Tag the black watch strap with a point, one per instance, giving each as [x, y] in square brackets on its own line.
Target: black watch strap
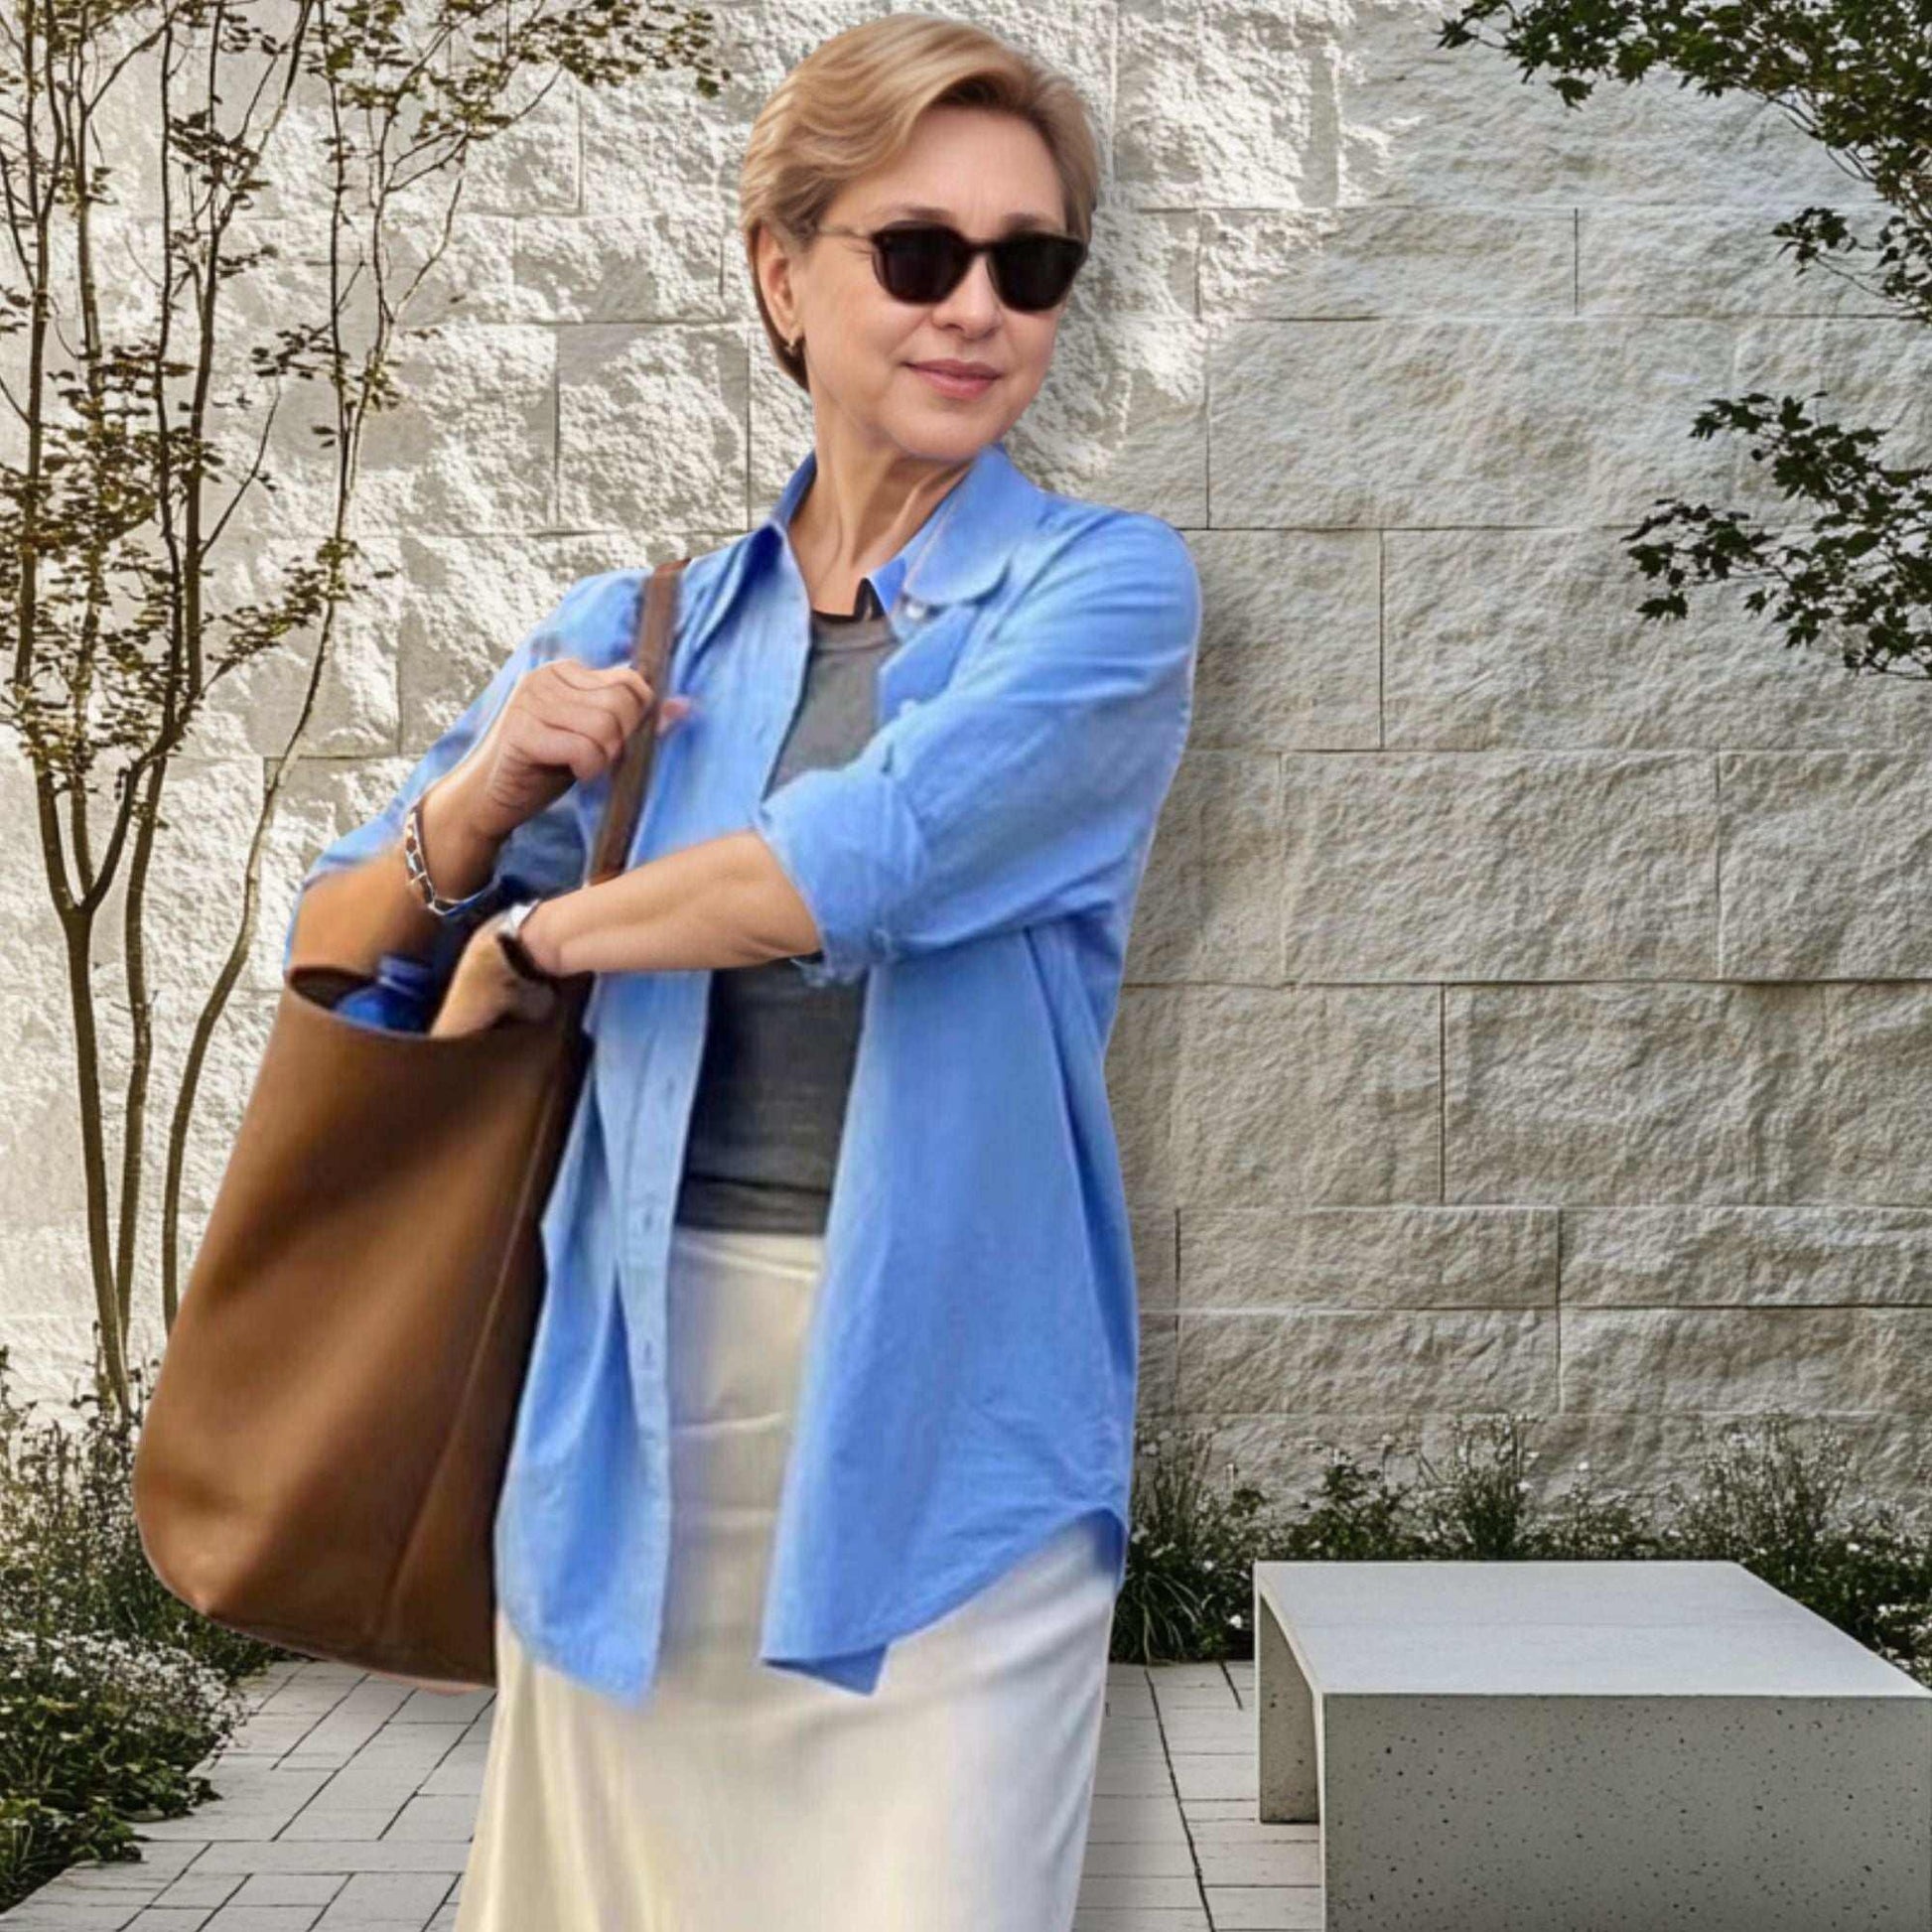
[510, 938]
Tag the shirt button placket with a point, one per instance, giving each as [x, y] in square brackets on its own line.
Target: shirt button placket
[644, 1224]
[645, 1219]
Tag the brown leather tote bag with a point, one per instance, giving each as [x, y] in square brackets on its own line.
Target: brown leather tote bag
[325, 1442]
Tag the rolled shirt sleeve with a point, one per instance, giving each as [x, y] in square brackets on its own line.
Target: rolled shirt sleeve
[1029, 789]
[545, 853]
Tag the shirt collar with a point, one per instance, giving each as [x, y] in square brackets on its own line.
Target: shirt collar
[960, 551]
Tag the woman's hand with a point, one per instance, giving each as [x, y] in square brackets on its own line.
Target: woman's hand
[564, 723]
[487, 987]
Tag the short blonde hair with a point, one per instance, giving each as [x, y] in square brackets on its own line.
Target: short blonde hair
[850, 106]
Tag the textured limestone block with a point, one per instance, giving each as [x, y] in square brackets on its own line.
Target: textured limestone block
[1812, 887]
[1696, 257]
[1139, 436]
[1370, 260]
[1155, 1245]
[1209, 906]
[48, 1308]
[455, 454]
[1234, 1362]
[1291, 647]
[469, 602]
[1877, 1050]
[1874, 370]
[1420, 123]
[618, 385]
[1808, 1361]
[1499, 866]
[1445, 421]
[654, 264]
[1395, 1257]
[1777, 1255]
[1242, 1095]
[253, 709]
[533, 168]
[1633, 1093]
[1531, 641]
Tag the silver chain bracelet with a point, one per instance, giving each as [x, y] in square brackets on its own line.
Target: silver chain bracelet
[418, 866]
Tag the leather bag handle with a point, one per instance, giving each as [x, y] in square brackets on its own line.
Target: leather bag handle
[650, 656]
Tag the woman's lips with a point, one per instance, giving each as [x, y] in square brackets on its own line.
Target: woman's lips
[949, 384]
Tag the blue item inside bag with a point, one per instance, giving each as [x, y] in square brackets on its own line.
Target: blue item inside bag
[400, 997]
[406, 991]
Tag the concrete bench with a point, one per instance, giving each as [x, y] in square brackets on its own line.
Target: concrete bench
[1581, 1747]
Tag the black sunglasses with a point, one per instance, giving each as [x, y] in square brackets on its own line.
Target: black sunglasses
[925, 261]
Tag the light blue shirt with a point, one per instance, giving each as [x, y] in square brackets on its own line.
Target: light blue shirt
[969, 1377]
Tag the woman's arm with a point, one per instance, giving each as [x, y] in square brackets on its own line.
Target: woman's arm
[1027, 789]
[724, 902]
[524, 736]
[350, 917]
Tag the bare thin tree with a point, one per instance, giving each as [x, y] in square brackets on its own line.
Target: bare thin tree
[130, 444]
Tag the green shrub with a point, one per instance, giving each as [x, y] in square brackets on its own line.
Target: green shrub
[1780, 1508]
[1186, 1583]
[111, 1689]
[96, 1733]
[1770, 1496]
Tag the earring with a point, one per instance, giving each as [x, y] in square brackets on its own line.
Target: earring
[795, 341]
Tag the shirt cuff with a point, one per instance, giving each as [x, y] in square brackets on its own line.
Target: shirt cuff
[831, 831]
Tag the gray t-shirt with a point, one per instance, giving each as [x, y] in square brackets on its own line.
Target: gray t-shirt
[770, 1104]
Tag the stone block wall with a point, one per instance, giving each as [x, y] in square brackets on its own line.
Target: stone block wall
[1527, 1005]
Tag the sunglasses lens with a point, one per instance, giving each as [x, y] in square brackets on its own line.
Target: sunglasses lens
[920, 264]
[1034, 272]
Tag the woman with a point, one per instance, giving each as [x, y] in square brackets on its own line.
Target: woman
[816, 1508]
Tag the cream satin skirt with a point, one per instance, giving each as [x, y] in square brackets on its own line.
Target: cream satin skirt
[742, 1798]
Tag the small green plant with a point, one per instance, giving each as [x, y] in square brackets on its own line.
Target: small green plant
[95, 1735]
[1357, 1514]
[111, 1689]
[1187, 1581]
[1780, 1507]
[1772, 1497]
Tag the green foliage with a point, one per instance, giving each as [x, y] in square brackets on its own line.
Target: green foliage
[111, 1689]
[1771, 1496]
[1855, 75]
[1186, 1586]
[1781, 1509]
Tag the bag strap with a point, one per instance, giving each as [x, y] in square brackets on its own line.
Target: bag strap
[650, 656]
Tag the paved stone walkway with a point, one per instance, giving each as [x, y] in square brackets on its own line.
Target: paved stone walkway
[347, 1803]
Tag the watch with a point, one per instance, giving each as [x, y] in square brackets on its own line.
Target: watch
[509, 935]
